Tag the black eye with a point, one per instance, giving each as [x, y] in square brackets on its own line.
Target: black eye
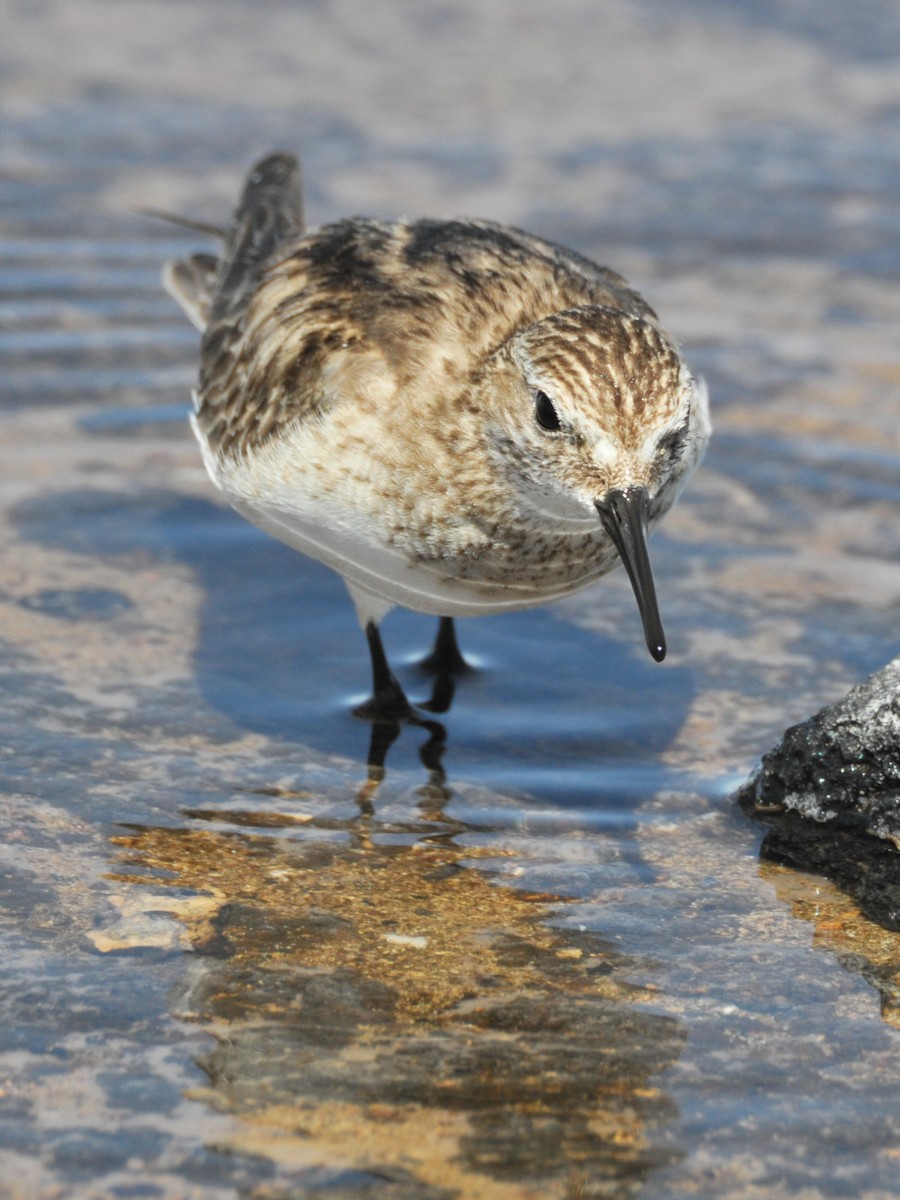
[544, 412]
[673, 444]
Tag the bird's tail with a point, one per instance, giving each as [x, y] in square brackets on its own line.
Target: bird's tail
[212, 287]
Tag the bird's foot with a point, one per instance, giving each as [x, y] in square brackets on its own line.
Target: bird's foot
[442, 693]
[387, 705]
[386, 729]
[445, 660]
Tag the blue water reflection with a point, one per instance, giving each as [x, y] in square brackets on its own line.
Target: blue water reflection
[553, 710]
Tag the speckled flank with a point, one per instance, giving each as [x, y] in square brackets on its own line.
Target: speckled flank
[367, 393]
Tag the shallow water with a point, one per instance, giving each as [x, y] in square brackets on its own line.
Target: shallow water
[537, 955]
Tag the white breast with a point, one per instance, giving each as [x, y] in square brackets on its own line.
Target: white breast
[277, 490]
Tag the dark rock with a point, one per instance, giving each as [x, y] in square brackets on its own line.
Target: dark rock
[842, 765]
[831, 794]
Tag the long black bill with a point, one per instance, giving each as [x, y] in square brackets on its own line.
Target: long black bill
[624, 515]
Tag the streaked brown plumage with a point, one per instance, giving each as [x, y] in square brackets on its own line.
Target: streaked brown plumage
[439, 410]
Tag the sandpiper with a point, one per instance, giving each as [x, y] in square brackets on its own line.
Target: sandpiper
[456, 416]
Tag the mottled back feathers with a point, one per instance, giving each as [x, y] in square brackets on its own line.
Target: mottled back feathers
[295, 321]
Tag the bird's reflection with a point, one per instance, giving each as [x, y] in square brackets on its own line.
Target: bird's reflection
[384, 999]
[385, 730]
[444, 665]
[431, 751]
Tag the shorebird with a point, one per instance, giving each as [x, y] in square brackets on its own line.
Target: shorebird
[456, 416]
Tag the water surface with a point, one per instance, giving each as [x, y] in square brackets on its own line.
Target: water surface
[537, 954]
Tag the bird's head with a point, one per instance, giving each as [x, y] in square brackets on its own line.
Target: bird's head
[595, 418]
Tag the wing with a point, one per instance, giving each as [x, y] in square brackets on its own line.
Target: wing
[192, 282]
[214, 287]
[269, 213]
[362, 309]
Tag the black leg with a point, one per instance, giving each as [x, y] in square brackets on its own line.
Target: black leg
[446, 657]
[388, 702]
[442, 692]
[433, 751]
[385, 731]
[384, 734]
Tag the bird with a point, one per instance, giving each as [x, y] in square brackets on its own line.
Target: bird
[458, 417]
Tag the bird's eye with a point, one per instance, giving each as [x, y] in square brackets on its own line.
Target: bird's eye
[673, 444]
[544, 412]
